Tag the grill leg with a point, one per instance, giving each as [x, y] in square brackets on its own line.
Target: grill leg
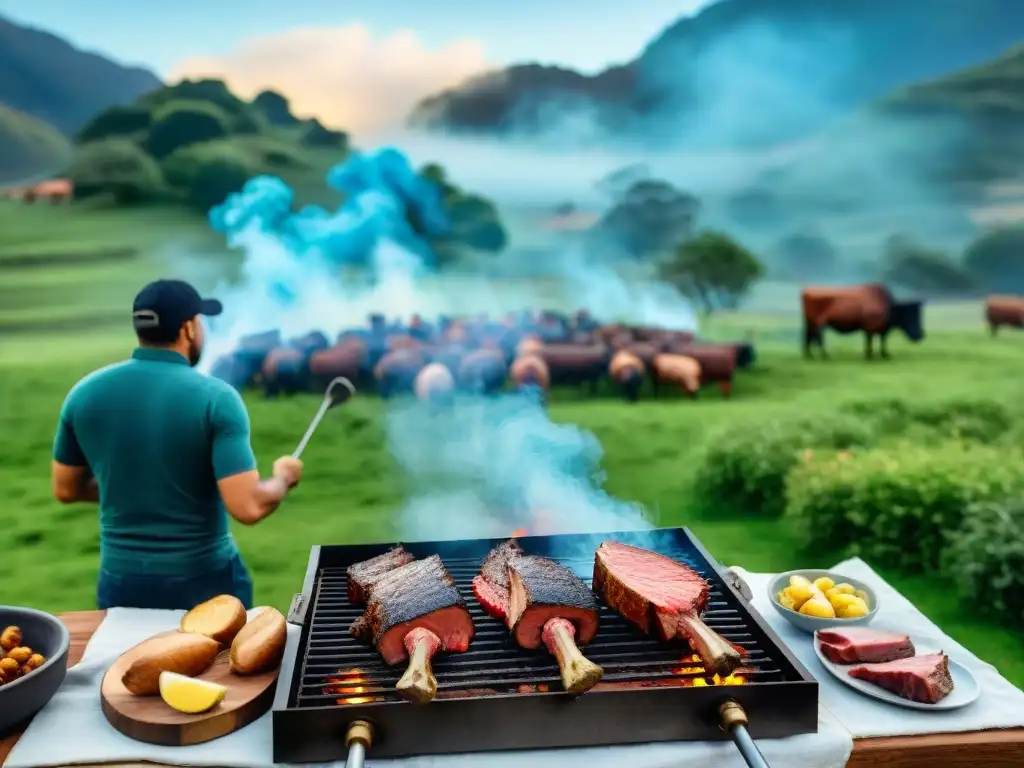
[734, 720]
[358, 740]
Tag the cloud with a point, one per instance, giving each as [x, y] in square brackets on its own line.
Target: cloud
[343, 75]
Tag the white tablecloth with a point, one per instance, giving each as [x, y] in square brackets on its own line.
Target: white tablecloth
[84, 736]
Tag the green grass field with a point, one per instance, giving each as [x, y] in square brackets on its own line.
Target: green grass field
[353, 489]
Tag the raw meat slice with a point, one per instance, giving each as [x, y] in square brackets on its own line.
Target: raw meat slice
[920, 678]
[857, 645]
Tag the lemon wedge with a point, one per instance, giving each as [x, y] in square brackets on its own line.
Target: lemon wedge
[188, 694]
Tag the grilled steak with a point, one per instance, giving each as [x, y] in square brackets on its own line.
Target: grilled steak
[541, 590]
[663, 598]
[858, 645]
[361, 576]
[543, 604]
[920, 678]
[491, 587]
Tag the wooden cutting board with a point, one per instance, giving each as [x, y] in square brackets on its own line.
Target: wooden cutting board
[149, 719]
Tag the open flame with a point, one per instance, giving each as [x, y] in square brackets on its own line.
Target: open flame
[520, 532]
[692, 665]
[347, 685]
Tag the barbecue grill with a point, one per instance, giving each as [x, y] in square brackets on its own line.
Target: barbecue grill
[498, 696]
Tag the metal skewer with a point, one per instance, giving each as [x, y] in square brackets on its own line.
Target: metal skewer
[734, 720]
[358, 740]
[338, 391]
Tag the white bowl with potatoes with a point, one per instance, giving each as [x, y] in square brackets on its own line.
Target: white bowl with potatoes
[811, 599]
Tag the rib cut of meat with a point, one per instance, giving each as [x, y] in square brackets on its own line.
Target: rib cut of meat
[858, 645]
[429, 568]
[920, 678]
[491, 586]
[362, 576]
[663, 598]
[541, 590]
[544, 604]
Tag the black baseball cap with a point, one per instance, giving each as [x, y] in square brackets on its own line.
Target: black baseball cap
[162, 307]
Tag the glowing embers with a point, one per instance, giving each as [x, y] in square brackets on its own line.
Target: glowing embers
[349, 686]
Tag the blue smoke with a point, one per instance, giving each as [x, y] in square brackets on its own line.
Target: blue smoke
[384, 200]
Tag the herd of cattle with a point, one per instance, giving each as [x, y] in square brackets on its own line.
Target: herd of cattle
[523, 352]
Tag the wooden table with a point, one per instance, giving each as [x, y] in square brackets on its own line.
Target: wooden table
[991, 749]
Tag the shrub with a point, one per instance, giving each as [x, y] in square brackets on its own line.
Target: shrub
[316, 134]
[980, 419]
[205, 174]
[745, 468]
[180, 124]
[896, 505]
[986, 559]
[116, 121]
[117, 167]
[275, 108]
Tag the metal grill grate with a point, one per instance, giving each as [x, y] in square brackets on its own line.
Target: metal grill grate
[499, 696]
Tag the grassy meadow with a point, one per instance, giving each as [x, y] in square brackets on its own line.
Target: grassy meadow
[63, 301]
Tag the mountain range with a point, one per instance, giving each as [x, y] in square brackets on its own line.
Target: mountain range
[812, 60]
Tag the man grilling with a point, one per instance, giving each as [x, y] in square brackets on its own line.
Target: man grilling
[165, 450]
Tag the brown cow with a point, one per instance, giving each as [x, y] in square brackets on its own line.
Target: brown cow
[530, 373]
[285, 370]
[576, 365]
[1004, 310]
[627, 370]
[434, 384]
[346, 358]
[717, 363]
[529, 345]
[869, 308]
[396, 372]
[679, 369]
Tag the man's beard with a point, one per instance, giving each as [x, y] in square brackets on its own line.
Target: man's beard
[194, 354]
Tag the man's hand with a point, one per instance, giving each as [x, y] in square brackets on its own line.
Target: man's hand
[289, 470]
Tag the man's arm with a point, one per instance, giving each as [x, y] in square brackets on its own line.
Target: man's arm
[71, 479]
[247, 498]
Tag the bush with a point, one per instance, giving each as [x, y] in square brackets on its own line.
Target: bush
[986, 560]
[316, 135]
[115, 122]
[180, 124]
[275, 108]
[207, 173]
[745, 468]
[980, 419]
[896, 506]
[117, 167]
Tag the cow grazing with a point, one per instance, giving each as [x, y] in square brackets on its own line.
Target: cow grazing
[434, 384]
[285, 371]
[235, 369]
[717, 363]
[482, 371]
[529, 373]
[530, 344]
[1004, 310]
[627, 370]
[870, 308]
[576, 365]
[397, 370]
[681, 370]
[346, 358]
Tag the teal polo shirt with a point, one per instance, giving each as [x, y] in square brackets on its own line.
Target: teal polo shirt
[157, 435]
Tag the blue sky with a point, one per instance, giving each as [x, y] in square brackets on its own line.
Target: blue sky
[586, 34]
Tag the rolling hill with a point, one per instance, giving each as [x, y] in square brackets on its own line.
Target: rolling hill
[29, 148]
[835, 55]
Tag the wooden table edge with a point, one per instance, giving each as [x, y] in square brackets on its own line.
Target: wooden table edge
[992, 748]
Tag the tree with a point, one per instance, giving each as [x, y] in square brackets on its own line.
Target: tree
[178, 124]
[930, 271]
[996, 260]
[117, 167]
[651, 217]
[317, 135]
[275, 108]
[205, 174]
[806, 255]
[115, 122]
[713, 270]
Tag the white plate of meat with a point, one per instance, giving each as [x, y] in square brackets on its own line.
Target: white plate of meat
[890, 667]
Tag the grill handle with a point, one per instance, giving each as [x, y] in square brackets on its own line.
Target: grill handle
[734, 720]
[358, 740]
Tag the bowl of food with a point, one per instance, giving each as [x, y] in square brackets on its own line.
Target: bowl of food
[815, 599]
[33, 661]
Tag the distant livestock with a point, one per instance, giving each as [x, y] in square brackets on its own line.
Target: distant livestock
[434, 384]
[1004, 310]
[285, 371]
[717, 362]
[627, 371]
[529, 373]
[347, 358]
[397, 370]
[576, 365]
[483, 371]
[678, 370]
[869, 308]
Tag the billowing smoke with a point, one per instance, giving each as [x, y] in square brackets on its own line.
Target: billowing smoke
[491, 466]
